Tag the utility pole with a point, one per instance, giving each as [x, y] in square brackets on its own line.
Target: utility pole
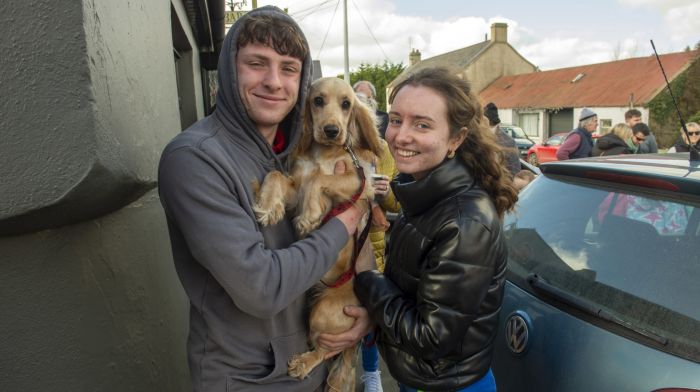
[345, 25]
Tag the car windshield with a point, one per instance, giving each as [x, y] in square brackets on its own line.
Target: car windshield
[631, 254]
[516, 132]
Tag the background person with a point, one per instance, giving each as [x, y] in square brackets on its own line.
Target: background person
[617, 141]
[522, 178]
[437, 304]
[510, 149]
[246, 283]
[683, 143]
[365, 88]
[634, 117]
[579, 143]
[640, 133]
[384, 201]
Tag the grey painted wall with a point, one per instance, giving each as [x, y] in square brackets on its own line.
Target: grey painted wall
[93, 307]
[89, 299]
[93, 100]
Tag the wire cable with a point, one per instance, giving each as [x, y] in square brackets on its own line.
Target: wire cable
[330, 23]
[302, 14]
[370, 32]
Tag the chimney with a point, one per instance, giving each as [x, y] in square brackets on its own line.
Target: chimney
[499, 32]
[414, 57]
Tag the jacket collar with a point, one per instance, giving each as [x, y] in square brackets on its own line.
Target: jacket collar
[450, 178]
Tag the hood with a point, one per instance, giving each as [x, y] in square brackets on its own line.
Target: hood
[229, 106]
[609, 141]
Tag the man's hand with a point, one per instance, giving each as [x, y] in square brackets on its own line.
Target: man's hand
[337, 343]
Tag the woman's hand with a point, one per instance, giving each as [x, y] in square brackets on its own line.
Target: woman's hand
[337, 343]
[381, 185]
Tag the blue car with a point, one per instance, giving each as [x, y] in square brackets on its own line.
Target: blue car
[603, 287]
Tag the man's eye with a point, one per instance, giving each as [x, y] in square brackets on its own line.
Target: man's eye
[318, 101]
[345, 105]
[394, 121]
[422, 125]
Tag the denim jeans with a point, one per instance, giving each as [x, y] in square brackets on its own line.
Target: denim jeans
[485, 384]
[370, 354]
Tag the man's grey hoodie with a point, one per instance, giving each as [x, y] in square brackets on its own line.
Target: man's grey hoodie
[245, 283]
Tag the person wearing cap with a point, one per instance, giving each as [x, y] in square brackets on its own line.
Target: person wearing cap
[510, 149]
[579, 143]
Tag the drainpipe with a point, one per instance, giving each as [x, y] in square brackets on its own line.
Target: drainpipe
[216, 15]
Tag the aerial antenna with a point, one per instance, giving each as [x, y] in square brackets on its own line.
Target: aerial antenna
[694, 154]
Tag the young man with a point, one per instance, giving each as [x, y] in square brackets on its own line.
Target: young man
[246, 283]
[640, 134]
[579, 143]
[634, 117]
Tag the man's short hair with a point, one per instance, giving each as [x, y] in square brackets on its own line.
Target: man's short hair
[632, 113]
[275, 31]
[641, 128]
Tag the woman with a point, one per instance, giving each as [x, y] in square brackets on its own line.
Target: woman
[436, 306]
[683, 143]
[617, 141]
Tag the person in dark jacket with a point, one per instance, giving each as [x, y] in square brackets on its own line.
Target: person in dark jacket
[684, 142]
[579, 143]
[437, 304]
[617, 141]
[246, 283]
[510, 149]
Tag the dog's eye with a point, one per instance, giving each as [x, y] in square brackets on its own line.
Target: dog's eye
[346, 105]
[318, 101]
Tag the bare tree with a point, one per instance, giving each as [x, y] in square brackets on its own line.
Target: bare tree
[236, 4]
[617, 52]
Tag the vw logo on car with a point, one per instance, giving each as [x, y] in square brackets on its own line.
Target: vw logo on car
[517, 331]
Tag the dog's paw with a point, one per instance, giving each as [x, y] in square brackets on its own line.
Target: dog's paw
[269, 215]
[306, 225]
[296, 367]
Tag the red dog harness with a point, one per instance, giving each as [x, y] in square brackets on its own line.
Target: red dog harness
[339, 208]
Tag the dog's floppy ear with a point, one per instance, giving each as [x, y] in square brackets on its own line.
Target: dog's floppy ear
[307, 130]
[365, 123]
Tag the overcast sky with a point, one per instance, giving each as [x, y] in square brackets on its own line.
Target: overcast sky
[550, 34]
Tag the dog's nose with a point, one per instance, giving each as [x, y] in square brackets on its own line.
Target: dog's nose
[331, 131]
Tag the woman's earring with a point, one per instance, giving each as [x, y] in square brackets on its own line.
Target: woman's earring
[450, 154]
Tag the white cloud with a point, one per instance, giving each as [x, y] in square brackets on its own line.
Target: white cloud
[396, 34]
[684, 23]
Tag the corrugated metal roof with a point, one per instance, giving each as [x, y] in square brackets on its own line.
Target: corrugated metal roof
[598, 85]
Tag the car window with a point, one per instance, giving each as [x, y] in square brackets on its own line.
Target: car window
[633, 255]
[516, 132]
[554, 141]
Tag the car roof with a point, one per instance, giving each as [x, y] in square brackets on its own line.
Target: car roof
[672, 172]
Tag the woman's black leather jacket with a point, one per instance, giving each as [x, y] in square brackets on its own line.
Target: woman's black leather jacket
[438, 302]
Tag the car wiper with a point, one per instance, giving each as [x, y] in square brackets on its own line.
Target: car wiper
[539, 283]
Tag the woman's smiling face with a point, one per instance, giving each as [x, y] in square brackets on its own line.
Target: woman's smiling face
[418, 133]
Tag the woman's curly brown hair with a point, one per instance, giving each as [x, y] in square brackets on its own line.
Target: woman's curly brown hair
[480, 149]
